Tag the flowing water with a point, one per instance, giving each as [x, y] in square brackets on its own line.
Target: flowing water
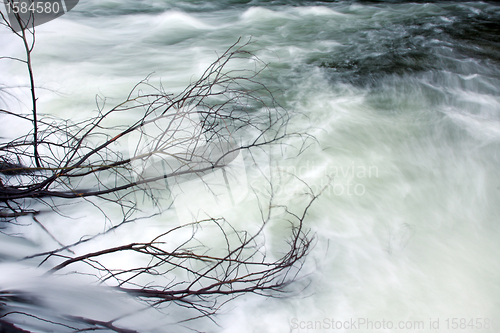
[404, 101]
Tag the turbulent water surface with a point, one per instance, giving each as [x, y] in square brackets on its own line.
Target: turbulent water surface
[404, 102]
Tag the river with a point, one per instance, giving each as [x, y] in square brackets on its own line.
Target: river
[403, 99]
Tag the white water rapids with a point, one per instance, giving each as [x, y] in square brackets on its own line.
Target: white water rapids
[404, 102]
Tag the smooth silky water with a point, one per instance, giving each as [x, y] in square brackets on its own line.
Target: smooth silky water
[403, 99]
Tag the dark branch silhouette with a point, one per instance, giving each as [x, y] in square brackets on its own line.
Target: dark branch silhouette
[176, 138]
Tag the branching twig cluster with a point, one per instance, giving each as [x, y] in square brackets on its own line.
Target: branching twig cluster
[176, 137]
